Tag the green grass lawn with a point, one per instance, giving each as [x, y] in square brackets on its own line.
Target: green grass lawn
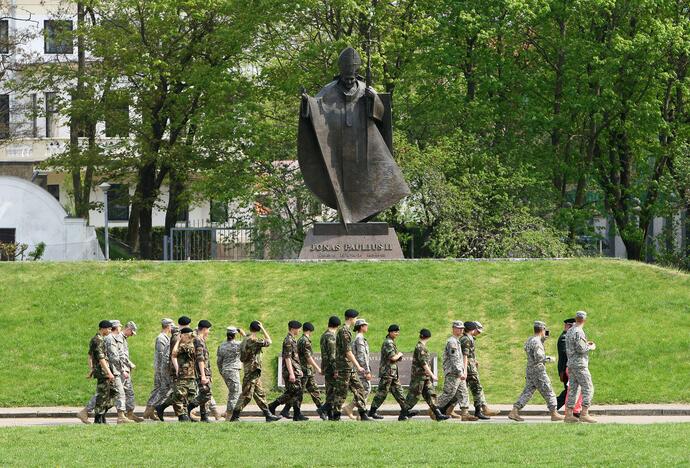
[348, 444]
[639, 316]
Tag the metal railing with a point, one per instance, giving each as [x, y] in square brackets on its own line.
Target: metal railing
[228, 241]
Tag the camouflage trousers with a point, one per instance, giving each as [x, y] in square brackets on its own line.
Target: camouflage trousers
[389, 383]
[118, 395]
[330, 386]
[475, 387]
[232, 381]
[536, 379]
[293, 392]
[186, 390]
[129, 393]
[309, 386]
[161, 384]
[105, 396]
[366, 384]
[580, 379]
[420, 386]
[252, 388]
[348, 380]
[204, 396]
[454, 392]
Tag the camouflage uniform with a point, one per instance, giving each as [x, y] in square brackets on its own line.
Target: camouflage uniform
[347, 377]
[327, 344]
[454, 387]
[250, 354]
[204, 394]
[161, 377]
[308, 383]
[186, 389]
[174, 338]
[535, 377]
[420, 382]
[127, 367]
[229, 365]
[578, 367]
[475, 386]
[293, 390]
[113, 349]
[360, 348]
[388, 376]
[105, 391]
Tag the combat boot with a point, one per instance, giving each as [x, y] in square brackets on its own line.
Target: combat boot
[97, 419]
[122, 418]
[285, 413]
[235, 416]
[160, 410]
[555, 416]
[270, 417]
[204, 417]
[372, 413]
[489, 411]
[190, 410]
[569, 418]
[149, 413]
[321, 412]
[438, 416]
[412, 414]
[184, 418]
[466, 416]
[403, 415]
[217, 414]
[363, 416]
[83, 416]
[585, 417]
[335, 416]
[327, 409]
[298, 416]
[515, 416]
[273, 406]
[478, 413]
[133, 417]
[347, 409]
[432, 415]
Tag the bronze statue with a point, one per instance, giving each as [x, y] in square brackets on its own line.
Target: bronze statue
[344, 145]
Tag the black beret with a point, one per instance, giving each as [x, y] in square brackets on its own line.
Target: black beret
[470, 326]
[333, 321]
[393, 328]
[105, 324]
[424, 333]
[186, 330]
[184, 320]
[293, 324]
[308, 326]
[569, 320]
[254, 326]
[351, 313]
[204, 324]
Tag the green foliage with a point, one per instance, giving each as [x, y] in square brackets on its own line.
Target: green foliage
[37, 252]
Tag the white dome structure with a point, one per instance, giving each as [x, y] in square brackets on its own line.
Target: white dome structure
[32, 215]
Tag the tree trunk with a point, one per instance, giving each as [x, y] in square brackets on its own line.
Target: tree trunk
[147, 183]
[176, 188]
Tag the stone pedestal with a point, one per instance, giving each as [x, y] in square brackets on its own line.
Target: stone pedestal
[361, 241]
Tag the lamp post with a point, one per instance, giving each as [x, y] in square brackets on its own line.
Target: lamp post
[105, 186]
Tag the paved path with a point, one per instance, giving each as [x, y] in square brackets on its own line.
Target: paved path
[608, 414]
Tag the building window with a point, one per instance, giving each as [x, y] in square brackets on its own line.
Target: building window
[51, 115]
[4, 116]
[117, 115]
[118, 202]
[57, 36]
[4, 37]
[219, 212]
[7, 236]
[183, 214]
[54, 190]
[34, 115]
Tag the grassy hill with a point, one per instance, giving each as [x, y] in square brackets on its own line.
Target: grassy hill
[639, 316]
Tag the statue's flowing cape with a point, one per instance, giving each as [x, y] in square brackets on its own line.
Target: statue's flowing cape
[343, 156]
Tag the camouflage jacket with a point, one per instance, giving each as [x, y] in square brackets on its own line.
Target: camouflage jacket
[228, 356]
[186, 360]
[124, 354]
[420, 358]
[577, 348]
[305, 352]
[202, 355]
[290, 353]
[388, 350]
[113, 348]
[536, 357]
[161, 356]
[97, 352]
[174, 338]
[343, 344]
[327, 344]
[467, 346]
[250, 353]
[360, 348]
[452, 357]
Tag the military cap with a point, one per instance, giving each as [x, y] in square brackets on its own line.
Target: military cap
[184, 320]
[115, 323]
[186, 330]
[393, 327]
[166, 321]
[132, 326]
[539, 324]
[351, 313]
[470, 326]
[581, 314]
[232, 329]
[480, 327]
[458, 324]
[308, 326]
[569, 320]
[424, 333]
[294, 324]
[255, 326]
[204, 324]
[333, 321]
[105, 324]
[360, 321]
